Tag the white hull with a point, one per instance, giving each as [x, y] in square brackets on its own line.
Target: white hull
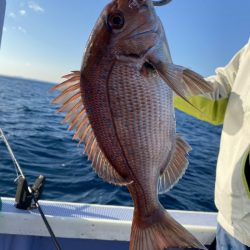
[85, 224]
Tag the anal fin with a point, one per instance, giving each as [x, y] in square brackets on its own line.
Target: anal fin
[177, 166]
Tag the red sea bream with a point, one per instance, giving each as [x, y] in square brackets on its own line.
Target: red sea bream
[121, 106]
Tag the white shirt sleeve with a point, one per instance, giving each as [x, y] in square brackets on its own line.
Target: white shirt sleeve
[224, 77]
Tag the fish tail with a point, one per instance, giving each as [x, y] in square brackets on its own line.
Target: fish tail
[160, 231]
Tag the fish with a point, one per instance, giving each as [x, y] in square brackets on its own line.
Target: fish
[120, 104]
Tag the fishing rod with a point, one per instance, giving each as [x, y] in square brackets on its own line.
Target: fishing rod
[27, 196]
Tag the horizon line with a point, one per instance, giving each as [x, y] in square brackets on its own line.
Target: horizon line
[28, 79]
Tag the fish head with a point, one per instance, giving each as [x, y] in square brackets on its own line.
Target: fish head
[133, 26]
[125, 28]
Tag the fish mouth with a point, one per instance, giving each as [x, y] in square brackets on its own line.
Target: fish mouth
[142, 33]
[154, 29]
[133, 34]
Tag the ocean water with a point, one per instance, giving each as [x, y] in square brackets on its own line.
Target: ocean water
[42, 145]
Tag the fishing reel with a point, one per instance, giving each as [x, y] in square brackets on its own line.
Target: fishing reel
[26, 196]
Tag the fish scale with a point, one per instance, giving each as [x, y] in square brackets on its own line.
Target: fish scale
[143, 127]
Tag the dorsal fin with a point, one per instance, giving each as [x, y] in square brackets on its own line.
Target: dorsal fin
[176, 168]
[71, 102]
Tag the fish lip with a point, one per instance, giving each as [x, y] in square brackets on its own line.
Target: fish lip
[154, 30]
[142, 33]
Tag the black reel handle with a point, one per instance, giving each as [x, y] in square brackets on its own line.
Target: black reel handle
[26, 194]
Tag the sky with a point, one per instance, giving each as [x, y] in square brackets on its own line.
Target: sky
[44, 39]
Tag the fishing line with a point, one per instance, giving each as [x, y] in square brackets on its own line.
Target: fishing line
[27, 197]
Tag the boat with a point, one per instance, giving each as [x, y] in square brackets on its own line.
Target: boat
[79, 226]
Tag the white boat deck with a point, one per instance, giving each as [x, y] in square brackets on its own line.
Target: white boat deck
[81, 222]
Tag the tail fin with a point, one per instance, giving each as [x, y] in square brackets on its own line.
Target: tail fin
[160, 231]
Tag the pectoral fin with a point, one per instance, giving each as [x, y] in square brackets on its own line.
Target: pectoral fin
[183, 81]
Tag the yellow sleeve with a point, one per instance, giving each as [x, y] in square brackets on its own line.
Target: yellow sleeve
[211, 107]
[212, 111]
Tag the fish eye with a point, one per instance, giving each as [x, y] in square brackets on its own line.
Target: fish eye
[116, 20]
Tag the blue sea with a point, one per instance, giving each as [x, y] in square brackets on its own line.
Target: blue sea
[42, 145]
